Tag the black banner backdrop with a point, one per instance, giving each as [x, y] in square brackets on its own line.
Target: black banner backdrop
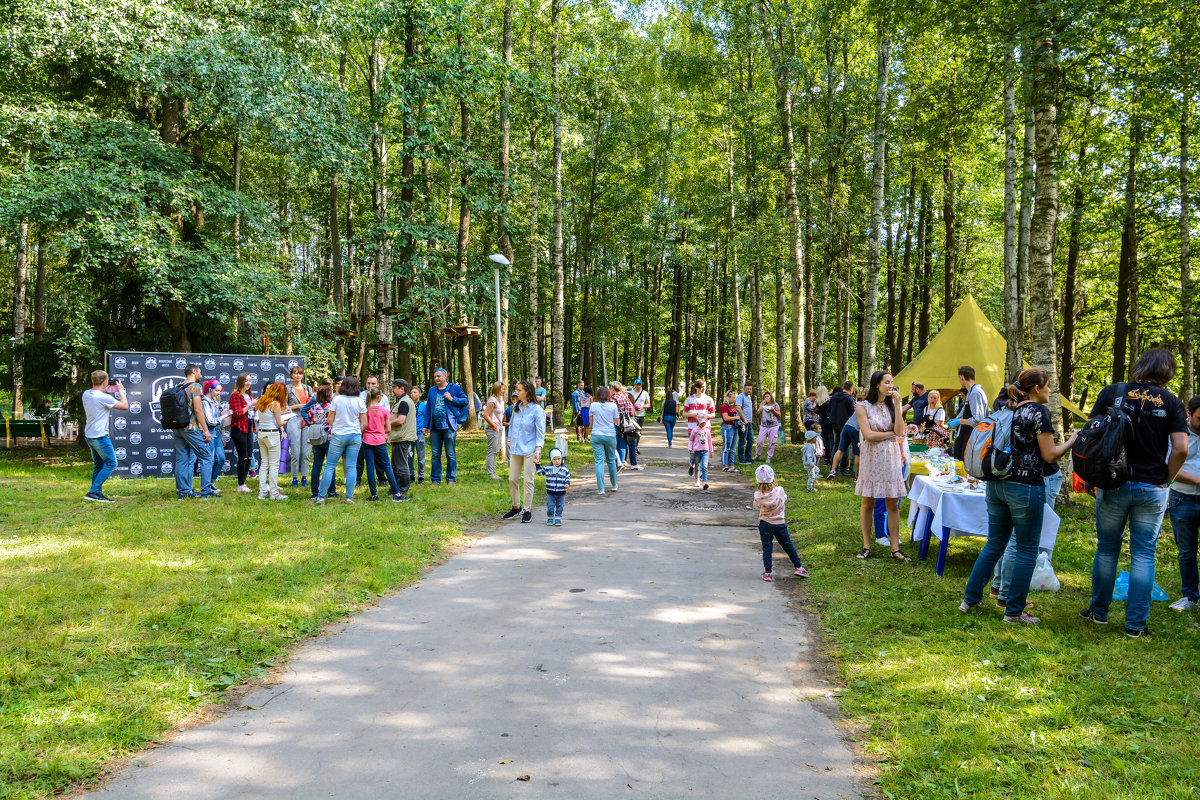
[144, 448]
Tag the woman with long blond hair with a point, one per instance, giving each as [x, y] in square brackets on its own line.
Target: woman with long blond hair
[270, 421]
[493, 425]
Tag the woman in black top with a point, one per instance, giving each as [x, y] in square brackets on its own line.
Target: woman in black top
[1015, 506]
[670, 413]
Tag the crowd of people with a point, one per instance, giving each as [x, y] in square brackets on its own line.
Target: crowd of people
[862, 434]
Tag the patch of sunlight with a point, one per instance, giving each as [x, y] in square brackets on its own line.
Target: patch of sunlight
[682, 615]
[60, 715]
[737, 745]
[35, 548]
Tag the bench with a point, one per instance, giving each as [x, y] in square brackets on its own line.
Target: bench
[25, 429]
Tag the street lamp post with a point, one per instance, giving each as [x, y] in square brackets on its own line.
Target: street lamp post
[499, 260]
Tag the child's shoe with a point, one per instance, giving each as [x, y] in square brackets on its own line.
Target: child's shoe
[801, 572]
[767, 576]
[558, 522]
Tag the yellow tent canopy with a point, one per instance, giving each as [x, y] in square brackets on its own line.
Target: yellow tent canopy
[969, 338]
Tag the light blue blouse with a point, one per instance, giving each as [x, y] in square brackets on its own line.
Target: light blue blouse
[527, 430]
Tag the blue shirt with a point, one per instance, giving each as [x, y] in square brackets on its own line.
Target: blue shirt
[557, 478]
[576, 399]
[422, 420]
[526, 430]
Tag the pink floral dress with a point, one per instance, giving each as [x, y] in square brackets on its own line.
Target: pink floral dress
[881, 464]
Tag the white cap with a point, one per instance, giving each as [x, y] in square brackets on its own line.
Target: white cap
[764, 474]
[555, 453]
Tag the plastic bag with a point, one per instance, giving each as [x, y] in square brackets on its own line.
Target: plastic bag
[1044, 579]
[1121, 590]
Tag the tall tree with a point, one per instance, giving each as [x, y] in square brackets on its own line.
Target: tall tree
[1013, 324]
[871, 289]
[558, 389]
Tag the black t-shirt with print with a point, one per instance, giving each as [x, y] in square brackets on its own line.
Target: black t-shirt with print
[1030, 420]
[1155, 414]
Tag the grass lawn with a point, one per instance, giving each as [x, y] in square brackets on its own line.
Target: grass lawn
[965, 706]
[119, 621]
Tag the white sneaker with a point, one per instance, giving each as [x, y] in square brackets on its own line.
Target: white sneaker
[601, 492]
[279, 496]
[264, 496]
[1184, 604]
[244, 488]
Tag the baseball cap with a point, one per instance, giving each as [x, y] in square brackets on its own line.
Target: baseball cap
[214, 384]
[810, 435]
[555, 453]
[764, 474]
[638, 382]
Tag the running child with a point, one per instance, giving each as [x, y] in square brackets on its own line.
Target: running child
[771, 502]
[558, 478]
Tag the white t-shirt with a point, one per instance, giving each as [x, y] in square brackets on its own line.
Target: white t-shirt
[97, 405]
[641, 402]
[604, 418]
[346, 410]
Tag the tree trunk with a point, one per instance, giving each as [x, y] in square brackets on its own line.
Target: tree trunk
[951, 246]
[502, 240]
[462, 250]
[557, 388]
[1013, 325]
[1127, 264]
[20, 276]
[1188, 355]
[871, 292]
[1067, 374]
[408, 178]
[925, 264]
[1045, 217]
[39, 292]
[898, 359]
[381, 257]
[237, 188]
[1028, 174]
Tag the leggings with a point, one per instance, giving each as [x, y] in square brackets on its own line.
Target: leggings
[243, 445]
[768, 434]
[669, 424]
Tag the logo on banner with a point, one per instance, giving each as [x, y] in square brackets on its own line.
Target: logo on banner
[160, 386]
[225, 465]
[210, 363]
[152, 453]
[292, 364]
[135, 438]
[223, 378]
[225, 437]
[167, 468]
[135, 377]
[265, 364]
[238, 364]
[181, 363]
[279, 377]
[119, 423]
[253, 378]
[135, 468]
[151, 362]
[135, 408]
[119, 454]
[119, 362]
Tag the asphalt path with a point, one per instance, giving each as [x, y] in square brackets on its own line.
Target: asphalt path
[632, 652]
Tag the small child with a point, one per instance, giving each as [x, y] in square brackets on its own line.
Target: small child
[809, 454]
[558, 478]
[771, 500]
[700, 447]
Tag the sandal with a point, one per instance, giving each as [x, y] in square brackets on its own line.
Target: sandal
[900, 556]
[865, 553]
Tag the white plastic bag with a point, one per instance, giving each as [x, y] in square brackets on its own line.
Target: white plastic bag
[1044, 579]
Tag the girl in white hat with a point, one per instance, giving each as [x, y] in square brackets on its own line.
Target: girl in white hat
[771, 502]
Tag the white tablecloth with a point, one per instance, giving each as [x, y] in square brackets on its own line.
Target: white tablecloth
[963, 511]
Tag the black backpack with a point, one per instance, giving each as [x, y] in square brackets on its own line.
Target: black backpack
[1100, 455]
[175, 408]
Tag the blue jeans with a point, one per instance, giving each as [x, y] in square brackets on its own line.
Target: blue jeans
[379, 454]
[1003, 576]
[104, 461]
[440, 438]
[1185, 521]
[729, 443]
[631, 443]
[745, 444]
[218, 454]
[555, 503]
[669, 424]
[621, 446]
[1014, 510]
[699, 459]
[319, 451]
[604, 451]
[341, 444]
[1141, 505]
[190, 450]
[767, 534]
